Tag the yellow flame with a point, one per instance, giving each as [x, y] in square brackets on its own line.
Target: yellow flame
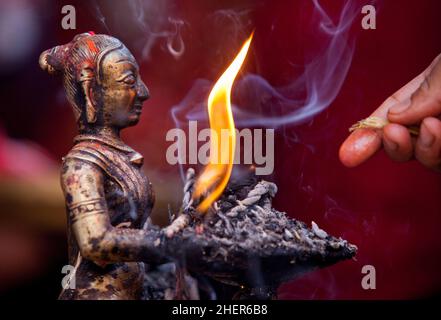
[216, 174]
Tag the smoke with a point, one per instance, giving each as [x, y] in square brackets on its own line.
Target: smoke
[234, 23]
[258, 103]
[99, 15]
[158, 23]
[155, 22]
[175, 44]
[314, 85]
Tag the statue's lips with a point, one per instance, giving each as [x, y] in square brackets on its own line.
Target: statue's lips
[137, 108]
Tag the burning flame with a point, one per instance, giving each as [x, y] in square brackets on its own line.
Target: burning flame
[216, 174]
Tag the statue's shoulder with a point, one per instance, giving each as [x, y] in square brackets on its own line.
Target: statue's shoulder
[85, 156]
[78, 163]
[88, 151]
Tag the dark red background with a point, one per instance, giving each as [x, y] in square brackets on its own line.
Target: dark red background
[391, 211]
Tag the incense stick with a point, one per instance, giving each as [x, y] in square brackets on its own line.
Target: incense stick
[379, 123]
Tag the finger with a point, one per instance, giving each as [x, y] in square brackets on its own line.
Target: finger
[424, 102]
[428, 146]
[397, 142]
[359, 146]
[399, 97]
[363, 143]
[369, 144]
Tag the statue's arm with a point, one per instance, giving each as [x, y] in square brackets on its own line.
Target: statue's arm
[97, 239]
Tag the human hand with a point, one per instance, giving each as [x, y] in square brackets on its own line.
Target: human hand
[417, 103]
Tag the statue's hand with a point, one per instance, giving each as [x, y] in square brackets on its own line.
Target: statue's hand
[177, 225]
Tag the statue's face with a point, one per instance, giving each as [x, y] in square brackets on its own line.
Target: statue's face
[123, 91]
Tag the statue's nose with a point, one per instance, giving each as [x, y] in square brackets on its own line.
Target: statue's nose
[143, 92]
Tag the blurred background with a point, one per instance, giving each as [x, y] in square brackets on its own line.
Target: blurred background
[311, 73]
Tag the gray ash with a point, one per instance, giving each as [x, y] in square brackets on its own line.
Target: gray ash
[246, 242]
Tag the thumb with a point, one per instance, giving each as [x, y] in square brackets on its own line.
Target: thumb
[424, 102]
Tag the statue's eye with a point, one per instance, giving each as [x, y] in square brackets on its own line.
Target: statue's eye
[130, 79]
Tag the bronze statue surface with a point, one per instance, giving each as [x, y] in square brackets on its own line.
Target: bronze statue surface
[108, 197]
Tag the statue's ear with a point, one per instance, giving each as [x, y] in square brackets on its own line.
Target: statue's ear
[86, 77]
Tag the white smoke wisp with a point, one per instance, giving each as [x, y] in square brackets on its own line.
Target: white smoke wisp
[99, 14]
[300, 100]
[156, 22]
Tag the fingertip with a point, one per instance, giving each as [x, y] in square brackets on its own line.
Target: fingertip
[399, 108]
[401, 113]
[397, 142]
[433, 125]
[428, 146]
[345, 156]
[359, 147]
[397, 133]
[422, 105]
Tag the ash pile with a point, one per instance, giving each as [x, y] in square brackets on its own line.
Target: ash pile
[243, 241]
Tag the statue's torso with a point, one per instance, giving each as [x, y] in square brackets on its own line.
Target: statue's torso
[129, 198]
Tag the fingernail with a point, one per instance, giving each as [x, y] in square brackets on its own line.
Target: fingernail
[426, 137]
[399, 108]
[390, 145]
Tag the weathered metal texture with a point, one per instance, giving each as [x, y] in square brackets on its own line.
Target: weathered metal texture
[108, 198]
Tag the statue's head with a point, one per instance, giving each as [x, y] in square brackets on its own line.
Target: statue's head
[101, 79]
